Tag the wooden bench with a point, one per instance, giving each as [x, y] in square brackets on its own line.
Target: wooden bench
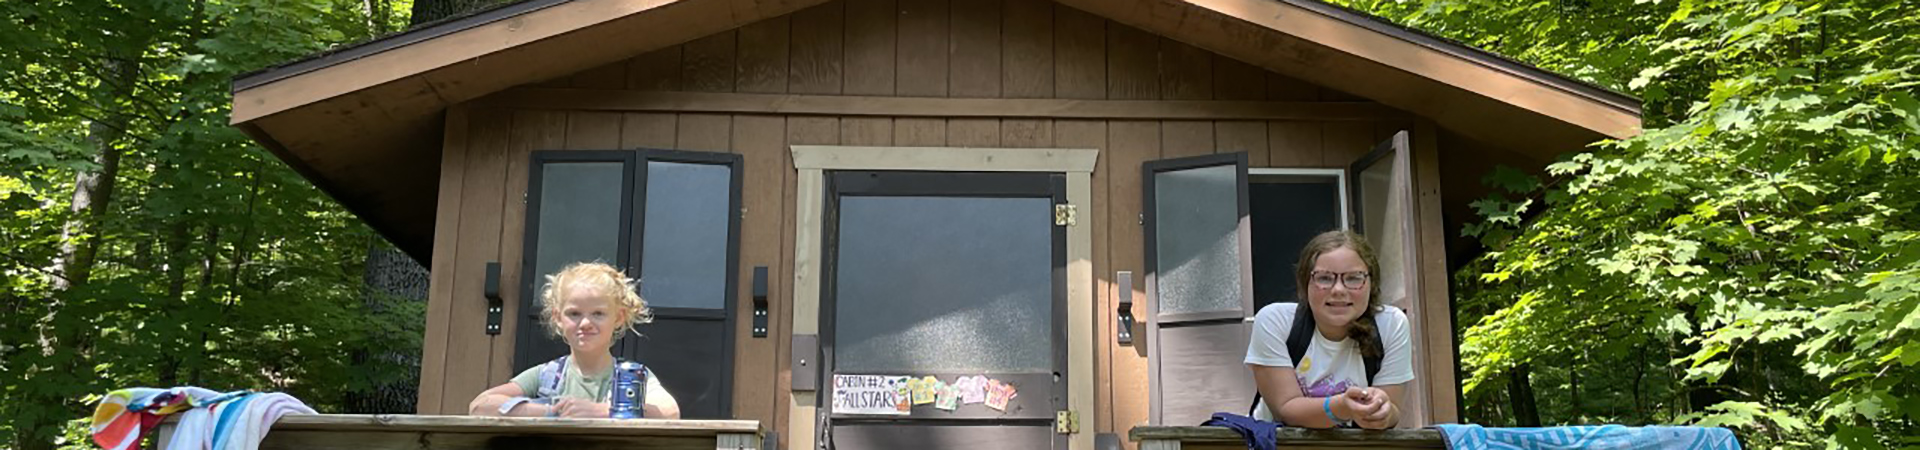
[1216, 438]
[384, 432]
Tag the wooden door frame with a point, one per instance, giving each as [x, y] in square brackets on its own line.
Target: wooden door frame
[813, 161]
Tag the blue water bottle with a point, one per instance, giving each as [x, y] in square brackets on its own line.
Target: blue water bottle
[629, 391]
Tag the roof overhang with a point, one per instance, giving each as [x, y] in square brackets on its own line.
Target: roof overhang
[364, 123]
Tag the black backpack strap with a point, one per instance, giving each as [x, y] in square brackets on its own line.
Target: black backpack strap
[1299, 335]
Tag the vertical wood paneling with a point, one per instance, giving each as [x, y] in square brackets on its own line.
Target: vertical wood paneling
[1235, 80]
[446, 250]
[761, 142]
[532, 130]
[975, 70]
[921, 68]
[709, 63]
[973, 132]
[817, 49]
[649, 130]
[919, 132]
[468, 346]
[875, 131]
[1080, 54]
[870, 46]
[976, 35]
[1186, 138]
[763, 57]
[871, 35]
[1242, 136]
[1027, 55]
[1131, 144]
[1186, 72]
[1345, 142]
[1295, 144]
[585, 130]
[1028, 133]
[1133, 64]
[705, 132]
[658, 70]
[1287, 89]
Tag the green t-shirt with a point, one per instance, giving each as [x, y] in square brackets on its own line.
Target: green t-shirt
[595, 387]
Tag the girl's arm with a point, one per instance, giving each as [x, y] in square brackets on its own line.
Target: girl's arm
[660, 403]
[1281, 392]
[489, 401]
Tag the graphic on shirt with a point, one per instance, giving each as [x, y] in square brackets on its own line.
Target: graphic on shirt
[1324, 388]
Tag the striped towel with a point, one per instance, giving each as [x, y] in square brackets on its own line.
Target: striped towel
[209, 420]
[1475, 437]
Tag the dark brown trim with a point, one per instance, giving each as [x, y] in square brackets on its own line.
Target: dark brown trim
[420, 254]
[848, 105]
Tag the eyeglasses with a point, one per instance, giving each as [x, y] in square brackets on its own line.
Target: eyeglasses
[1352, 280]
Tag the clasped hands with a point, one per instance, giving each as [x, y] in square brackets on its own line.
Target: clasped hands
[1371, 408]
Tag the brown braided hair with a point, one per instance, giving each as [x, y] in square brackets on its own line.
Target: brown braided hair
[1363, 330]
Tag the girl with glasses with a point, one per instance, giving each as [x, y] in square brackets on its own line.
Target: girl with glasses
[1354, 369]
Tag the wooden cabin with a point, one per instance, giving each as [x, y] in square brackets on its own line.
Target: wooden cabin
[1083, 199]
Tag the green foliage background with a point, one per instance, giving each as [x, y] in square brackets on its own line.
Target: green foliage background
[1752, 260]
[217, 265]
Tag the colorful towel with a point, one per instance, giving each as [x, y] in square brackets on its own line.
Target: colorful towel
[209, 420]
[1475, 437]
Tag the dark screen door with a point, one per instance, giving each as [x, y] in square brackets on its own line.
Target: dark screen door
[946, 275]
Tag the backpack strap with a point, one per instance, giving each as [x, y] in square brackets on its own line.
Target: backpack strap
[551, 374]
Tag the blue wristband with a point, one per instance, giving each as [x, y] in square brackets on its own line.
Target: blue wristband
[1326, 404]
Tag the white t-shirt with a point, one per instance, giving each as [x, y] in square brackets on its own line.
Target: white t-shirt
[1329, 366]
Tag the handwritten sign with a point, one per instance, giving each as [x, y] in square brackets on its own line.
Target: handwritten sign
[871, 394]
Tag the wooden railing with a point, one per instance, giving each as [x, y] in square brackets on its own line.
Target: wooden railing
[1216, 438]
[384, 432]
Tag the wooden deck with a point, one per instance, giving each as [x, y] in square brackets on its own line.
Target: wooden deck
[1216, 438]
[381, 432]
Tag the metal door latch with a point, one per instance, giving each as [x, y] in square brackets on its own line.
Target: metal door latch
[1063, 215]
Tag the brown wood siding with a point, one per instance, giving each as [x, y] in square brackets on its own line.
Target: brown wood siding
[1029, 49]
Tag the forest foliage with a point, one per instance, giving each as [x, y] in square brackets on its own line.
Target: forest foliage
[190, 256]
[1752, 260]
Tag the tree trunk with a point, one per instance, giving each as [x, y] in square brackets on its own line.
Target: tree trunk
[379, 14]
[429, 11]
[93, 190]
[1520, 392]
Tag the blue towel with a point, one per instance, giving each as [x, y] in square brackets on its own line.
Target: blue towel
[1260, 434]
[1475, 437]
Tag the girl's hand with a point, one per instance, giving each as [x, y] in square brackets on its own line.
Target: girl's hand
[1377, 411]
[573, 407]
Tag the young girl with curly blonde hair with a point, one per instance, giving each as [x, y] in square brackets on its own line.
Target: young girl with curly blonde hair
[587, 305]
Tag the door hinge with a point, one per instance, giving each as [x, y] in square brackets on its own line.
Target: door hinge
[1066, 422]
[1064, 215]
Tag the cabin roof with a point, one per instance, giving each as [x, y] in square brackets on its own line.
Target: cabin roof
[364, 122]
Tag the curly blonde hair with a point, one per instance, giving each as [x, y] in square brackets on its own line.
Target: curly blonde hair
[623, 292]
